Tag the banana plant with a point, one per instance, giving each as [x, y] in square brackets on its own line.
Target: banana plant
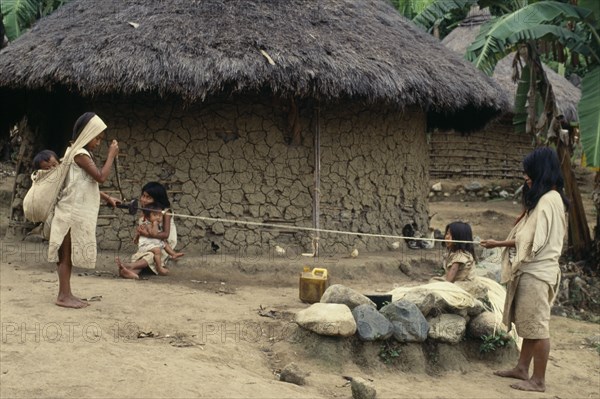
[19, 15]
[546, 21]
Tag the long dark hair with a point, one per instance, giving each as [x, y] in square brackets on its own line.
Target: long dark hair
[462, 232]
[80, 124]
[158, 192]
[543, 168]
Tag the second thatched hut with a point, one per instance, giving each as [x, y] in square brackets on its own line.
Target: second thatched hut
[497, 151]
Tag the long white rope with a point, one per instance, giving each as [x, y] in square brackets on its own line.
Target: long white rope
[311, 229]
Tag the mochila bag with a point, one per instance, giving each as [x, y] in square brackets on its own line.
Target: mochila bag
[43, 194]
[46, 185]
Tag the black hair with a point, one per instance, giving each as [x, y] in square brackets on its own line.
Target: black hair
[151, 208]
[43, 156]
[462, 232]
[158, 192]
[81, 122]
[543, 168]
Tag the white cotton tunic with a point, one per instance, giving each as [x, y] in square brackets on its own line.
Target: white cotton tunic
[76, 210]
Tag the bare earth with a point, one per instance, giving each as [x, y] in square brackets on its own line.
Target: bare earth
[200, 332]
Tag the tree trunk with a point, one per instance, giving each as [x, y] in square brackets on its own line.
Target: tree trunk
[579, 233]
[596, 244]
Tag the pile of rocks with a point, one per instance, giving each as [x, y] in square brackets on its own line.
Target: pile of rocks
[474, 190]
[344, 312]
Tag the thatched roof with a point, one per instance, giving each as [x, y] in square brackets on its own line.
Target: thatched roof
[567, 96]
[326, 49]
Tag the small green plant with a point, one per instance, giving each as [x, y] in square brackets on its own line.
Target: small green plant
[598, 348]
[493, 342]
[389, 352]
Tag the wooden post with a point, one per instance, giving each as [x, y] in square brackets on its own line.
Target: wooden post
[317, 182]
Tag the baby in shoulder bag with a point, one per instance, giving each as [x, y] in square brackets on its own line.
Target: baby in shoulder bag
[47, 181]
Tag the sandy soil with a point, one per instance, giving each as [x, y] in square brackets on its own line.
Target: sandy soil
[200, 333]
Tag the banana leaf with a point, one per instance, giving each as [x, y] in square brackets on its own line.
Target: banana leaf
[520, 109]
[17, 15]
[589, 116]
[438, 9]
[536, 21]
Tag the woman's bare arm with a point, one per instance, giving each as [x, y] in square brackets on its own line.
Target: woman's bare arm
[99, 175]
[495, 243]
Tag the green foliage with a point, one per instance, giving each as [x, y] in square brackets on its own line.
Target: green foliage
[19, 15]
[411, 8]
[438, 10]
[493, 342]
[520, 111]
[538, 21]
[589, 116]
[389, 351]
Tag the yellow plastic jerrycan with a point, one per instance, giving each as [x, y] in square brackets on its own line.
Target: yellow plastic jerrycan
[313, 284]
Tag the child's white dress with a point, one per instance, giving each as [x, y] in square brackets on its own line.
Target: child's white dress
[76, 210]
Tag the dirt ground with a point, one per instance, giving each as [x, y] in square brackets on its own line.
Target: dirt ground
[220, 326]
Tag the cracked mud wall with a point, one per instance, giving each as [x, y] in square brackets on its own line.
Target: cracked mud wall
[237, 160]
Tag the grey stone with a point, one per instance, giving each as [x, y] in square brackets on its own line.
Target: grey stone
[487, 323]
[437, 187]
[473, 186]
[371, 325]
[409, 323]
[327, 319]
[362, 389]
[293, 374]
[338, 293]
[448, 328]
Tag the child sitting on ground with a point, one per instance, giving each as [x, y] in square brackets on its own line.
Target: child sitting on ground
[45, 160]
[459, 263]
[152, 218]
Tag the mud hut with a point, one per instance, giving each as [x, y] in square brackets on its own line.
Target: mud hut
[496, 151]
[296, 113]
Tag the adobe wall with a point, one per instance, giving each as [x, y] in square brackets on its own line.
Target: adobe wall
[495, 152]
[231, 160]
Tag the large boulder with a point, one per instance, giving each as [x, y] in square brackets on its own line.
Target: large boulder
[448, 328]
[338, 293]
[371, 325]
[487, 323]
[409, 323]
[327, 319]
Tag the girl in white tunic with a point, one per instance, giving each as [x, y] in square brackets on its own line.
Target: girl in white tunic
[73, 229]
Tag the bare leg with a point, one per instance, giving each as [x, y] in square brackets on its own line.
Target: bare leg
[65, 297]
[174, 255]
[162, 271]
[537, 382]
[130, 270]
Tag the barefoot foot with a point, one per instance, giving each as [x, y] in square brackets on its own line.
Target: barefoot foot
[125, 272]
[162, 271]
[177, 255]
[512, 373]
[529, 385]
[69, 301]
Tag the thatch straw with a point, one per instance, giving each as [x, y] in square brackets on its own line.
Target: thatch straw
[567, 96]
[328, 50]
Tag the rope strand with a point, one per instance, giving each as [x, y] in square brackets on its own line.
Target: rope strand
[311, 229]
